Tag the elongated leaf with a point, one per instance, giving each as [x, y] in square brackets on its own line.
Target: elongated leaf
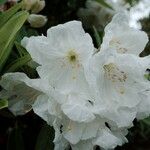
[25, 31]
[19, 63]
[21, 50]
[104, 3]
[45, 138]
[7, 34]
[3, 103]
[5, 16]
[146, 121]
[97, 37]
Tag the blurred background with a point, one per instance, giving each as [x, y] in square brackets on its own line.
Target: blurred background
[30, 132]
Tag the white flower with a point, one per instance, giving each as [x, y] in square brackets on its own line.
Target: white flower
[37, 21]
[21, 92]
[90, 99]
[62, 55]
[118, 79]
[24, 93]
[79, 135]
[124, 39]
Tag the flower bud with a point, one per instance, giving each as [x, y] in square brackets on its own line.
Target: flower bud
[37, 21]
[38, 6]
[34, 6]
[28, 4]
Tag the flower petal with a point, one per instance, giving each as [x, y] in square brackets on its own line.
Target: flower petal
[107, 140]
[76, 108]
[83, 145]
[20, 91]
[123, 38]
[72, 131]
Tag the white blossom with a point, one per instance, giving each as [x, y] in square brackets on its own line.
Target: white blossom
[62, 55]
[17, 88]
[120, 36]
[89, 98]
[78, 134]
[119, 80]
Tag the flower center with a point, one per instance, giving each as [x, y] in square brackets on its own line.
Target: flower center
[117, 44]
[113, 73]
[72, 56]
[116, 76]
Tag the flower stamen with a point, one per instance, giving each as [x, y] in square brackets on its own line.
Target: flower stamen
[72, 56]
[113, 73]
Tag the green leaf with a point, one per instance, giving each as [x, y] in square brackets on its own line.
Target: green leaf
[8, 33]
[146, 121]
[45, 138]
[104, 3]
[18, 63]
[97, 37]
[147, 76]
[21, 50]
[5, 16]
[2, 1]
[26, 31]
[3, 104]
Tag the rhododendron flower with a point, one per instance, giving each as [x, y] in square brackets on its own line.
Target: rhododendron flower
[89, 98]
[120, 36]
[119, 80]
[22, 91]
[62, 55]
[78, 134]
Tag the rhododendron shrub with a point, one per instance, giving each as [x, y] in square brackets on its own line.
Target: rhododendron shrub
[90, 98]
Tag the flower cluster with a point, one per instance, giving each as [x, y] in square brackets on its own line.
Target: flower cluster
[90, 97]
[34, 7]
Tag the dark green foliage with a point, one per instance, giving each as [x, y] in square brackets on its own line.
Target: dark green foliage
[15, 139]
[146, 27]
[45, 138]
[104, 3]
[3, 103]
[2, 1]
